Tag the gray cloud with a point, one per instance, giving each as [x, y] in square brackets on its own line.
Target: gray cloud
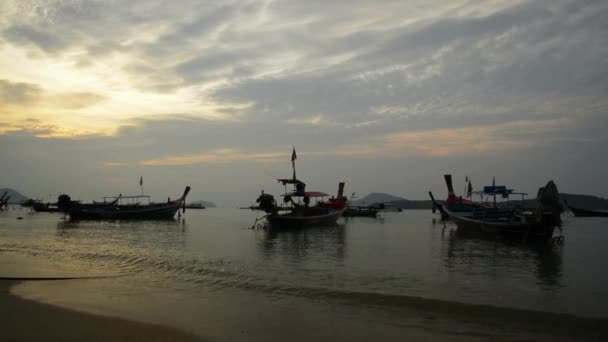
[18, 92]
[22, 34]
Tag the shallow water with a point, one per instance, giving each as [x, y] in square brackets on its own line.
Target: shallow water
[210, 263]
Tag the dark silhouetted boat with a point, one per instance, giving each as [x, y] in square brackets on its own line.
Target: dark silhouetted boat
[579, 212]
[354, 211]
[40, 207]
[297, 212]
[115, 211]
[520, 223]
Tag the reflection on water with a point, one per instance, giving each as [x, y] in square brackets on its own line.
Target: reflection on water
[325, 242]
[491, 255]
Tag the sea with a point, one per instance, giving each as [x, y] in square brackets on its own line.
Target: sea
[403, 275]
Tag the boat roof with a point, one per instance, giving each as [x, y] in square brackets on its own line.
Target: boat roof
[290, 181]
[308, 194]
[123, 197]
[498, 190]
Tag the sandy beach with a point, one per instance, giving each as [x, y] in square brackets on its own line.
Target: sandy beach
[24, 320]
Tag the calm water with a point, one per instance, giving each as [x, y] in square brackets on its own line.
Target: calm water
[210, 264]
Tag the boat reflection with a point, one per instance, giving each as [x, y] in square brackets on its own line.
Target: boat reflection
[461, 251]
[298, 245]
[170, 233]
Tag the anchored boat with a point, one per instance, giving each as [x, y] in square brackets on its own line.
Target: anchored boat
[114, 210]
[538, 223]
[297, 210]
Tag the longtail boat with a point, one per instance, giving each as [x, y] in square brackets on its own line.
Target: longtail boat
[114, 210]
[520, 223]
[579, 212]
[297, 211]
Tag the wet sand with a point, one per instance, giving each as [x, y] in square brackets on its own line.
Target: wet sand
[24, 320]
[237, 316]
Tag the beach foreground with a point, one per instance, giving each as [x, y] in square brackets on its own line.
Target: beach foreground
[24, 320]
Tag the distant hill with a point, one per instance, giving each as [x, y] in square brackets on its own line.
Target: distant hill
[586, 201]
[16, 197]
[578, 201]
[376, 197]
[204, 203]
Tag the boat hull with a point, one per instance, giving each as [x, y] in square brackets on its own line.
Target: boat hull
[100, 212]
[295, 221]
[531, 229]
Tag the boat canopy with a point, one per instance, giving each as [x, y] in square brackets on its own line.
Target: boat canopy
[500, 190]
[291, 181]
[308, 194]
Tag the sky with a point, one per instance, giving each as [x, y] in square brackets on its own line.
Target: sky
[385, 95]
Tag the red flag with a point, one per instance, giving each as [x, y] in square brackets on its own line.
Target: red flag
[294, 156]
[141, 180]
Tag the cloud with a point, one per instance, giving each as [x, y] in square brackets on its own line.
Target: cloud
[217, 156]
[18, 92]
[22, 34]
[112, 164]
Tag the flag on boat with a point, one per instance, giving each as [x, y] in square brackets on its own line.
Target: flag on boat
[141, 180]
[294, 156]
[470, 189]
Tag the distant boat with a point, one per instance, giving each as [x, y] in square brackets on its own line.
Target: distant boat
[116, 211]
[4, 200]
[28, 203]
[507, 222]
[300, 213]
[387, 207]
[354, 211]
[45, 207]
[194, 206]
[48, 207]
[578, 212]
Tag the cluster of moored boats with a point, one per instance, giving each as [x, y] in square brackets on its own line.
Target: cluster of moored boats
[485, 216]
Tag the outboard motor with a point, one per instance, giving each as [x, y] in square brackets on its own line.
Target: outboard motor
[267, 203]
[64, 203]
